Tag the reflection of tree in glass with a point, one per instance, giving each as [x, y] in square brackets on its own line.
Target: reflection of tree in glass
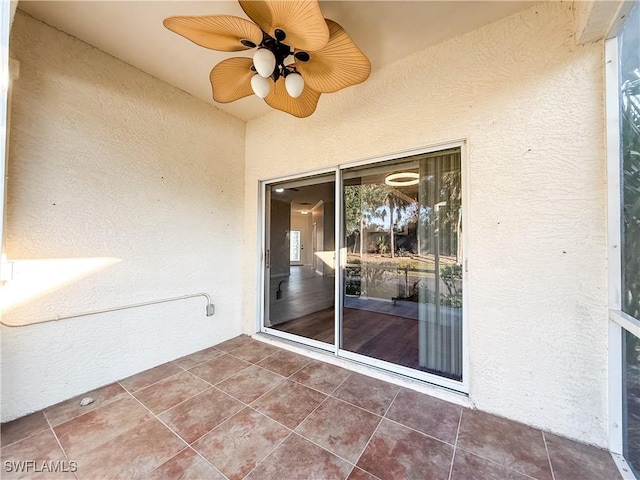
[629, 77]
[630, 135]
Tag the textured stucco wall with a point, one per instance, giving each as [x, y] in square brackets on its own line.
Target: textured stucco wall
[530, 102]
[106, 161]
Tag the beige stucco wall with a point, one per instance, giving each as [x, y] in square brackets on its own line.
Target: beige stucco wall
[530, 103]
[108, 162]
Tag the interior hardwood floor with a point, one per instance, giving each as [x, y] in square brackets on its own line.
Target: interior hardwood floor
[375, 328]
[386, 337]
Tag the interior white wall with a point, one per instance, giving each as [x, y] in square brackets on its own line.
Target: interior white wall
[106, 161]
[529, 101]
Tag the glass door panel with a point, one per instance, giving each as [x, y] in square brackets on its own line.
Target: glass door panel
[300, 245]
[402, 288]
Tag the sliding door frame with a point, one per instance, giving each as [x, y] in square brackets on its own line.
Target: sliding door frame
[619, 321]
[459, 386]
[263, 228]
[340, 259]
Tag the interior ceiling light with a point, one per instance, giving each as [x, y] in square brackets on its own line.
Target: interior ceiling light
[402, 179]
[279, 190]
[299, 55]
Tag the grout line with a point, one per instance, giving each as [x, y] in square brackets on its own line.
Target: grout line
[152, 384]
[392, 401]
[367, 445]
[377, 427]
[80, 397]
[339, 385]
[225, 378]
[291, 431]
[324, 448]
[268, 454]
[197, 364]
[206, 460]
[64, 452]
[265, 393]
[313, 388]
[358, 407]
[455, 445]
[497, 463]
[159, 419]
[103, 442]
[418, 431]
[311, 413]
[294, 372]
[161, 464]
[546, 448]
[173, 406]
[185, 400]
[31, 435]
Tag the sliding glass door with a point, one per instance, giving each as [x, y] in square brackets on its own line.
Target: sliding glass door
[299, 261]
[400, 284]
[403, 264]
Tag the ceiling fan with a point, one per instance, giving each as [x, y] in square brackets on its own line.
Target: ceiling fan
[299, 55]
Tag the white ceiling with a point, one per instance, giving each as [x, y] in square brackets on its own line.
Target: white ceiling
[133, 32]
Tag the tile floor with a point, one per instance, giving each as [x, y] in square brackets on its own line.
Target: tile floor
[245, 409]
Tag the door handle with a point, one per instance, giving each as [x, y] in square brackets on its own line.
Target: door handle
[267, 259]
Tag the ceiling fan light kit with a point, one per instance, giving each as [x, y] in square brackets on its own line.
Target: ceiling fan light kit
[299, 55]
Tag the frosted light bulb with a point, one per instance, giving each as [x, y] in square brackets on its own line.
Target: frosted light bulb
[294, 83]
[261, 86]
[264, 61]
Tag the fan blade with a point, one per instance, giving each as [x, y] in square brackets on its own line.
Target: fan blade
[231, 79]
[300, 107]
[301, 21]
[338, 65]
[217, 32]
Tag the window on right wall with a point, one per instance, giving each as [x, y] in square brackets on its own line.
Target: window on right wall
[629, 115]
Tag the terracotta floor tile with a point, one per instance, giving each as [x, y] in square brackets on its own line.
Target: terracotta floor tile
[254, 351]
[22, 428]
[130, 455]
[149, 377]
[367, 392]
[396, 452]
[321, 376]
[572, 460]
[94, 428]
[340, 428]
[187, 465]
[219, 368]
[169, 392]
[234, 343]
[427, 414]
[249, 384]
[467, 466]
[71, 408]
[289, 403]
[508, 443]
[198, 415]
[298, 459]
[359, 474]
[41, 448]
[197, 358]
[236, 446]
[284, 363]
